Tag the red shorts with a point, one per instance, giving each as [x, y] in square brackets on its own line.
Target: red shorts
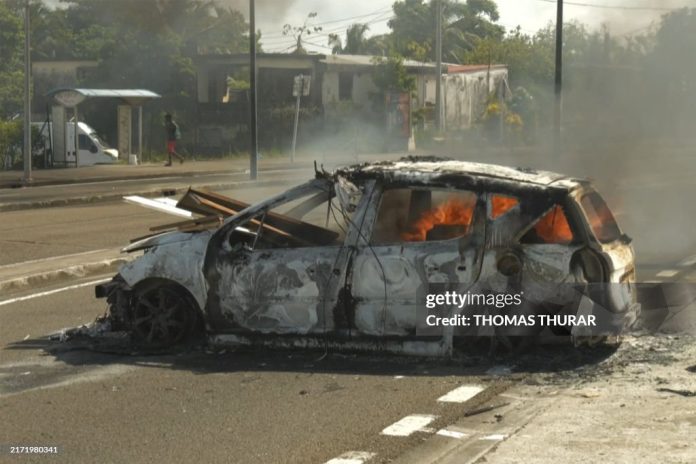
[171, 146]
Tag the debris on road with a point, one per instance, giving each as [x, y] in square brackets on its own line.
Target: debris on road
[687, 393]
[485, 409]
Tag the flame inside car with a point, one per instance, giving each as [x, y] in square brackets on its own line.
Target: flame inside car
[454, 214]
[554, 227]
[501, 204]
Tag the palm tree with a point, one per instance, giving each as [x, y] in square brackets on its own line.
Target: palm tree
[356, 42]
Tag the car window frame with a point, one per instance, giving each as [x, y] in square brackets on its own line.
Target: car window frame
[308, 189]
[381, 188]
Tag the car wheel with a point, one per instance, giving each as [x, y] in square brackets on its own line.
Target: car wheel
[162, 316]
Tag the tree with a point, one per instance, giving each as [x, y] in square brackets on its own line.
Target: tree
[462, 23]
[299, 32]
[356, 42]
[390, 75]
[667, 58]
[530, 59]
[11, 60]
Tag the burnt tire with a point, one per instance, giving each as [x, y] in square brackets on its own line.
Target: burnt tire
[584, 277]
[163, 315]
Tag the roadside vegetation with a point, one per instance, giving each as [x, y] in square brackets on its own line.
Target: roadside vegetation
[640, 83]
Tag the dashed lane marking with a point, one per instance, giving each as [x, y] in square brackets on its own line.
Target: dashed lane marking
[408, 425]
[667, 273]
[451, 434]
[461, 394]
[690, 261]
[494, 437]
[352, 457]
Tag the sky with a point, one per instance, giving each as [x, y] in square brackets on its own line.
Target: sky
[623, 17]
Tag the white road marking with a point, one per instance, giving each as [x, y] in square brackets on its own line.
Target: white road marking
[461, 394]
[51, 292]
[667, 273]
[408, 425]
[352, 457]
[163, 205]
[398, 377]
[54, 258]
[94, 375]
[451, 434]
[494, 437]
[690, 261]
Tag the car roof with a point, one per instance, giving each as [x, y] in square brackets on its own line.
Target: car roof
[423, 170]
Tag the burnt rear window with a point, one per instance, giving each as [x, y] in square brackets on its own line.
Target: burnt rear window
[601, 220]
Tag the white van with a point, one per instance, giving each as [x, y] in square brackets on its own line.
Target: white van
[93, 149]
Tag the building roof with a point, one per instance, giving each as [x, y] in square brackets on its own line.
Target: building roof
[368, 60]
[469, 68]
[74, 96]
[351, 60]
[110, 93]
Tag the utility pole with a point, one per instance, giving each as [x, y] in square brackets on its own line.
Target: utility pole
[558, 82]
[438, 65]
[27, 95]
[253, 152]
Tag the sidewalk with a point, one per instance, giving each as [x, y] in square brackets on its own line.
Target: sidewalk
[114, 172]
[71, 186]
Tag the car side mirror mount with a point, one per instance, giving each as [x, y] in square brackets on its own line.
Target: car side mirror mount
[93, 149]
[625, 238]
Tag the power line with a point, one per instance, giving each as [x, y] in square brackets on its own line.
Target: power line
[378, 12]
[325, 33]
[614, 7]
[289, 41]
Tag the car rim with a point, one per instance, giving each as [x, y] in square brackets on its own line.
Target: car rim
[160, 317]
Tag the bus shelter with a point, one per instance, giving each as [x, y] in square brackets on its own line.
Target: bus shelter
[71, 98]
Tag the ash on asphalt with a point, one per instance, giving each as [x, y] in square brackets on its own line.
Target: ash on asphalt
[542, 365]
[197, 356]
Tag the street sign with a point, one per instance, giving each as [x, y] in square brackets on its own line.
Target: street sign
[300, 85]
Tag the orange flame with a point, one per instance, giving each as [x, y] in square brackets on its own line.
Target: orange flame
[453, 212]
[502, 204]
[554, 227]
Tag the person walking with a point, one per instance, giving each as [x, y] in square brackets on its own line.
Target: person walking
[173, 134]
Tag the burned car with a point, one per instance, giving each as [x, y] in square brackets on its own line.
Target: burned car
[346, 259]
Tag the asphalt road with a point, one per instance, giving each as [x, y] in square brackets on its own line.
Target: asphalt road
[46, 232]
[200, 405]
[93, 192]
[246, 407]
[232, 407]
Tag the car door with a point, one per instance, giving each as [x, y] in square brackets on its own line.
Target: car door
[414, 239]
[530, 242]
[279, 268]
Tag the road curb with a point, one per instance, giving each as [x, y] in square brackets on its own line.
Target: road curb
[89, 180]
[55, 276]
[19, 206]
[17, 183]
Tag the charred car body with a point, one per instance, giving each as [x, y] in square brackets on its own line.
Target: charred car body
[346, 259]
